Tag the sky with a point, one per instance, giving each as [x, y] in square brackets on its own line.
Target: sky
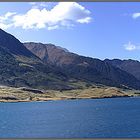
[94, 29]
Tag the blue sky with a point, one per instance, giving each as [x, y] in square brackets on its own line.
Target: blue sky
[95, 29]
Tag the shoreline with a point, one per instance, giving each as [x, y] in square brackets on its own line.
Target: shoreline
[11, 94]
[61, 99]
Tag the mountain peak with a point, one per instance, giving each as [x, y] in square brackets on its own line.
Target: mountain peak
[13, 45]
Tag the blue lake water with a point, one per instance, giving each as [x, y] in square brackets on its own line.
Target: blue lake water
[88, 118]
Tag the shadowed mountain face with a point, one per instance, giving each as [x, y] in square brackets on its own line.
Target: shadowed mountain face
[130, 66]
[20, 67]
[13, 45]
[83, 68]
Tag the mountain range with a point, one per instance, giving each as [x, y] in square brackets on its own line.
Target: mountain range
[46, 66]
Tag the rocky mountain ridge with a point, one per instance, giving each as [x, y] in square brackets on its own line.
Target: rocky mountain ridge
[83, 68]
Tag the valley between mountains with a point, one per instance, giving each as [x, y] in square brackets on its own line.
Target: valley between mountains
[40, 72]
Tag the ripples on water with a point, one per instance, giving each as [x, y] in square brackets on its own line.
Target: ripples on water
[88, 118]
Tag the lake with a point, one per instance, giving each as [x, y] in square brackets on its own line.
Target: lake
[86, 118]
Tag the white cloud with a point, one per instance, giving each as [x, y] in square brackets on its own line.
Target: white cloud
[135, 15]
[53, 27]
[64, 14]
[131, 47]
[6, 16]
[9, 14]
[5, 26]
[84, 20]
[4, 20]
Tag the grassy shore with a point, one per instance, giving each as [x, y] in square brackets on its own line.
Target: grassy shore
[11, 94]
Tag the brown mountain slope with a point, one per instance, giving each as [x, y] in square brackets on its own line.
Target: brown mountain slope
[130, 66]
[83, 68]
